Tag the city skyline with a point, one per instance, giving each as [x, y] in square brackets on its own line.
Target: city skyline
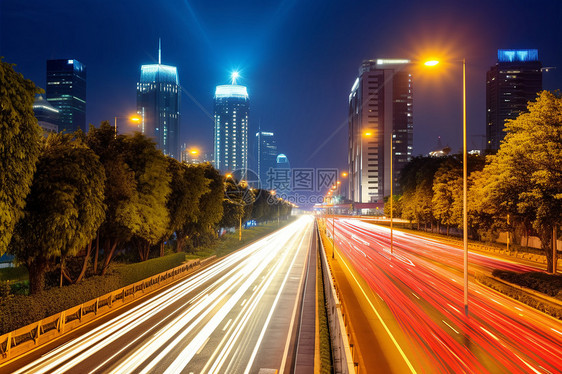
[284, 41]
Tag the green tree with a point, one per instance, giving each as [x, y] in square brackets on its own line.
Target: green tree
[64, 208]
[447, 193]
[19, 147]
[210, 208]
[188, 185]
[120, 194]
[149, 166]
[526, 173]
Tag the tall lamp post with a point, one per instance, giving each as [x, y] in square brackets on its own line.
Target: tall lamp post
[133, 118]
[464, 181]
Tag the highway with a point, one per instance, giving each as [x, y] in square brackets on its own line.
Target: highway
[416, 294]
[239, 315]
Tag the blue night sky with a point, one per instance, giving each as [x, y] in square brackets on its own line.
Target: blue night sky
[298, 59]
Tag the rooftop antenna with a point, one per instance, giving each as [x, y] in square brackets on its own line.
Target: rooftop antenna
[159, 51]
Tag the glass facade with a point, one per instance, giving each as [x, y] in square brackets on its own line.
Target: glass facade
[232, 110]
[158, 105]
[66, 91]
[510, 85]
[380, 114]
[266, 154]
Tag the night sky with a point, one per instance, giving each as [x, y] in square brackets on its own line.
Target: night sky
[298, 59]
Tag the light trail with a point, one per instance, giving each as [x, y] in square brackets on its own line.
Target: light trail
[197, 323]
[422, 287]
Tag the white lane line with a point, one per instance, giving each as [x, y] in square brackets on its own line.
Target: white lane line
[451, 327]
[254, 289]
[226, 326]
[203, 345]
[243, 302]
[299, 292]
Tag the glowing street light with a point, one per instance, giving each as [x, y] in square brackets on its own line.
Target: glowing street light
[344, 174]
[431, 63]
[132, 118]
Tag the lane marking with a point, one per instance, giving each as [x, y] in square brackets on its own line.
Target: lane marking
[226, 326]
[410, 366]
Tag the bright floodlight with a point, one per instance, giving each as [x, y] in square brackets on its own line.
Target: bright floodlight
[235, 75]
[431, 63]
[135, 118]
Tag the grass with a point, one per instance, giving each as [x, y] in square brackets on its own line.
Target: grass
[324, 328]
[548, 284]
[230, 242]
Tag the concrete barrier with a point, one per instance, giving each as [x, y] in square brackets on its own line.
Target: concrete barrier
[24, 339]
[341, 351]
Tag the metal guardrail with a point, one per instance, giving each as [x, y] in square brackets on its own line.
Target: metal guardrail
[341, 351]
[22, 340]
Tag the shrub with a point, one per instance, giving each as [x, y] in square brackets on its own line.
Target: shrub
[136, 272]
[548, 284]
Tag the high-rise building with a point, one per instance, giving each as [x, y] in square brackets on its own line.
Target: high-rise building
[510, 85]
[232, 109]
[380, 110]
[158, 105]
[266, 147]
[66, 91]
[46, 114]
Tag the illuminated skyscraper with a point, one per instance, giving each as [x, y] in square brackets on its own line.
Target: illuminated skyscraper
[47, 115]
[266, 147]
[380, 109]
[66, 91]
[232, 109]
[158, 104]
[510, 85]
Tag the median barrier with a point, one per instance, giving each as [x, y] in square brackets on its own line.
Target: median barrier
[532, 298]
[24, 339]
[341, 351]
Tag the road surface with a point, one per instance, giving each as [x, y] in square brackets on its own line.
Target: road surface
[417, 295]
[239, 315]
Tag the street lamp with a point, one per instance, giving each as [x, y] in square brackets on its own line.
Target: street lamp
[133, 118]
[464, 181]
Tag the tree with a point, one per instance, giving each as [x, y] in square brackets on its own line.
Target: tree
[19, 147]
[64, 208]
[120, 194]
[149, 166]
[210, 207]
[188, 185]
[526, 173]
[447, 193]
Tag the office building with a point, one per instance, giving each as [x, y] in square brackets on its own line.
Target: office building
[158, 105]
[66, 91]
[380, 110]
[266, 148]
[47, 115]
[510, 85]
[232, 110]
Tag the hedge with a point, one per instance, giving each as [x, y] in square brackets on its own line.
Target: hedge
[18, 311]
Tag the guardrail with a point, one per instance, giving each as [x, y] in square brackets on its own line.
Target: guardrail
[341, 351]
[22, 340]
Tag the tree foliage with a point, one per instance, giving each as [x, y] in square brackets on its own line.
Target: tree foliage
[19, 147]
[64, 208]
[525, 177]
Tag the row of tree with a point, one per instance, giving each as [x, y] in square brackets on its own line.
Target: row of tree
[523, 181]
[98, 193]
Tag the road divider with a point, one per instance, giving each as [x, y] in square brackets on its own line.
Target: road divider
[27, 338]
[341, 351]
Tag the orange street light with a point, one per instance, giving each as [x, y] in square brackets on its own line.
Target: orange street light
[367, 133]
[344, 174]
[133, 118]
[227, 176]
[431, 63]
[194, 152]
[338, 182]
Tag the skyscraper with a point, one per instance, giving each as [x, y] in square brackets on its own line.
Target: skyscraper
[66, 91]
[232, 109]
[47, 115]
[510, 84]
[380, 109]
[266, 147]
[158, 104]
